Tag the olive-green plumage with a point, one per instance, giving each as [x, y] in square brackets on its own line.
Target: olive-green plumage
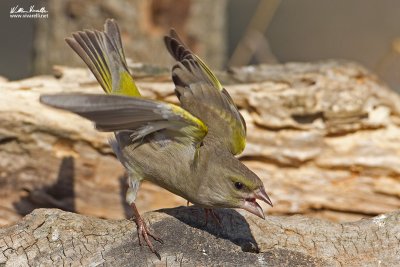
[188, 150]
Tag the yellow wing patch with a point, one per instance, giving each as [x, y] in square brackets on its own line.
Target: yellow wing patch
[237, 133]
[188, 117]
[127, 85]
[209, 73]
[239, 142]
[197, 128]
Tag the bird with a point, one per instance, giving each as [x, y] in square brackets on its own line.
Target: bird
[190, 149]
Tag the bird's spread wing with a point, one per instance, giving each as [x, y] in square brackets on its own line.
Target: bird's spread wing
[140, 116]
[103, 53]
[200, 92]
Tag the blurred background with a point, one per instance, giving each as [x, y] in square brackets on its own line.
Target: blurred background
[225, 33]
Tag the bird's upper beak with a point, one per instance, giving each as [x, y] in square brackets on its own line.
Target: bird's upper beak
[252, 206]
[262, 195]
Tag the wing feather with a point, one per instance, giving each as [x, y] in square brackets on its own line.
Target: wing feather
[200, 92]
[121, 113]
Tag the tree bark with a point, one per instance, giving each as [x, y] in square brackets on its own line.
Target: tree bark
[324, 137]
[51, 237]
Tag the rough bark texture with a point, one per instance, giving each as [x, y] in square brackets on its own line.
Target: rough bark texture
[143, 24]
[324, 138]
[50, 237]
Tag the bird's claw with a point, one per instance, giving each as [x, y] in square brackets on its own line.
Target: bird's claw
[144, 232]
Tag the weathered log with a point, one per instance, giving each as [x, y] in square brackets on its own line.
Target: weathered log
[324, 137]
[50, 237]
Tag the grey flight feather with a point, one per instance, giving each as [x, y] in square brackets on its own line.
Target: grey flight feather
[119, 113]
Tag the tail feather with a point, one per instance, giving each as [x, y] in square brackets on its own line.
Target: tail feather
[112, 30]
[103, 54]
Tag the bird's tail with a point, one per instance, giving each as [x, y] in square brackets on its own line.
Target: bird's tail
[103, 53]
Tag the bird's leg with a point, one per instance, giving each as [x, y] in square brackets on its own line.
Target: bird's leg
[214, 216]
[143, 231]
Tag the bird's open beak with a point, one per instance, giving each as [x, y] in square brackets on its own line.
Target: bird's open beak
[262, 195]
[252, 206]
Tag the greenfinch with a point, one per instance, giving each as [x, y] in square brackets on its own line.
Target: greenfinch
[189, 149]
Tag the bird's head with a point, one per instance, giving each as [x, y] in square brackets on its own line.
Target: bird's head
[229, 183]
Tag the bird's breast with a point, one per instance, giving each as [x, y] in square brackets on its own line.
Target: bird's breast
[168, 164]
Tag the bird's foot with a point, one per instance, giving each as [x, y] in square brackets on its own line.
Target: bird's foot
[214, 215]
[144, 233]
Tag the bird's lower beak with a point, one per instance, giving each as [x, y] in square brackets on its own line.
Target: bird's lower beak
[252, 206]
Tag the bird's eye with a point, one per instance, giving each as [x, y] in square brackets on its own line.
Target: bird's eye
[238, 185]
